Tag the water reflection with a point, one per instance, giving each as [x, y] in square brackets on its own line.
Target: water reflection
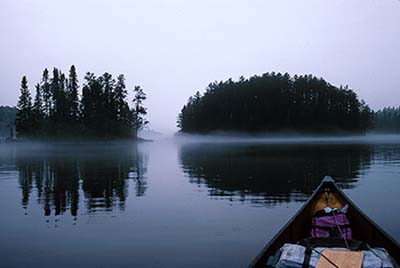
[268, 173]
[60, 176]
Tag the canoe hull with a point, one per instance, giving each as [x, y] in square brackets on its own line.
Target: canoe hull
[299, 226]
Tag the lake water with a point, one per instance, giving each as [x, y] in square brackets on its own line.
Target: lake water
[177, 203]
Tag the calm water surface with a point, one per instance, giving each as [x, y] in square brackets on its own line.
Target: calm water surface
[175, 204]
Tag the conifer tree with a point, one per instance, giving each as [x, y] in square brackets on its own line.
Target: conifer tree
[124, 120]
[38, 112]
[46, 91]
[73, 100]
[88, 108]
[23, 119]
[109, 107]
[55, 94]
[63, 104]
[138, 110]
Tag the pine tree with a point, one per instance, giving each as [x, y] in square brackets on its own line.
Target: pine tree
[366, 116]
[63, 105]
[138, 110]
[123, 115]
[73, 100]
[88, 108]
[120, 94]
[38, 112]
[108, 108]
[93, 110]
[46, 91]
[55, 93]
[23, 119]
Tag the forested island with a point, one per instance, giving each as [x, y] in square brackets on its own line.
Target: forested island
[59, 112]
[276, 102]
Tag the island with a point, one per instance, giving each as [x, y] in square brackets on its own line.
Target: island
[60, 111]
[275, 102]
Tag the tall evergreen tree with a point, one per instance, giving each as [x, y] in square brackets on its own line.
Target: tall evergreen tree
[55, 95]
[109, 107]
[124, 116]
[93, 106]
[46, 92]
[88, 104]
[120, 96]
[366, 116]
[138, 110]
[63, 104]
[38, 112]
[23, 119]
[73, 100]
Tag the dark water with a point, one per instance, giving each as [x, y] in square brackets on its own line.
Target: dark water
[171, 204]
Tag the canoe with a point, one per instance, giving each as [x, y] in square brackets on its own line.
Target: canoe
[299, 226]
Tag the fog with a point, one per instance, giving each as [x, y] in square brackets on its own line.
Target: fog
[222, 137]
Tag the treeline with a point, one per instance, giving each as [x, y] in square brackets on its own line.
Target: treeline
[7, 121]
[275, 102]
[58, 110]
[387, 120]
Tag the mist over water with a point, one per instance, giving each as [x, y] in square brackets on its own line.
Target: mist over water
[287, 138]
[199, 201]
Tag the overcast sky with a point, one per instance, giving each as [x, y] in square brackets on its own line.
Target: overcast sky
[174, 48]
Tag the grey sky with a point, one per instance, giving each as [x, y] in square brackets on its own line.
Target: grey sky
[173, 48]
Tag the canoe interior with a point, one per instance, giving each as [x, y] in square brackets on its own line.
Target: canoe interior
[299, 227]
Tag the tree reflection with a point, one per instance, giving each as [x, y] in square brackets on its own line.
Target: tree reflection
[97, 174]
[271, 173]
